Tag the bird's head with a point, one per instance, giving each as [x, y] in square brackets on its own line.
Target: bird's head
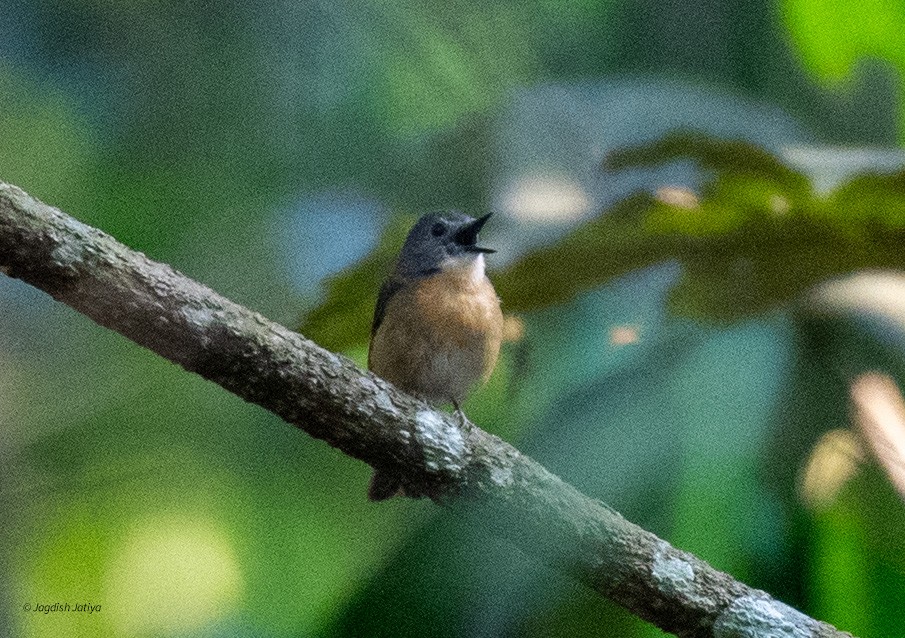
[440, 241]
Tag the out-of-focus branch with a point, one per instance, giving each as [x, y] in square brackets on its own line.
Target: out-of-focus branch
[470, 471]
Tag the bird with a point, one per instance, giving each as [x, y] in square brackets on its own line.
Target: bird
[437, 325]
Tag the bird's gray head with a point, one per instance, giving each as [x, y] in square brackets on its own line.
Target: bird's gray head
[442, 240]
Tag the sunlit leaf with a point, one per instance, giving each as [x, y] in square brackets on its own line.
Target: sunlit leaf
[832, 36]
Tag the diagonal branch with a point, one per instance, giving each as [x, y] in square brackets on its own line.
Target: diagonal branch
[326, 395]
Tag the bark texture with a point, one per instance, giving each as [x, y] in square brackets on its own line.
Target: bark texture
[327, 396]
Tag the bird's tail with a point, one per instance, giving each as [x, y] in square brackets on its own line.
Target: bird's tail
[384, 485]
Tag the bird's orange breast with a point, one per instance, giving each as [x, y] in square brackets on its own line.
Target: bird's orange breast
[440, 335]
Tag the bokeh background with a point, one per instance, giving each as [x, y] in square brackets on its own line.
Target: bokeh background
[675, 350]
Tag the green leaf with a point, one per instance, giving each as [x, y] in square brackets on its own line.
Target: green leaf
[872, 200]
[591, 255]
[755, 239]
[722, 156]
[833, 35]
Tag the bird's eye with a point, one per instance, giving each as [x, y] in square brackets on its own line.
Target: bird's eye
[438, 229]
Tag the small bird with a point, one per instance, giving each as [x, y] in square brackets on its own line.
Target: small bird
[437, 326]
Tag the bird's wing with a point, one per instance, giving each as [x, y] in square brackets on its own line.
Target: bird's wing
[389, 288]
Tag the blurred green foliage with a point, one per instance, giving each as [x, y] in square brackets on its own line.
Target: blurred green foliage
[757, 237]
[42, 142]
[192, 130]
[834, 36]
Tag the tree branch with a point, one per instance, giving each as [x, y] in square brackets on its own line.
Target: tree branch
[326, 395]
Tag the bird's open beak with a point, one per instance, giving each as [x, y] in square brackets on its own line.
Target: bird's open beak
[467, 236]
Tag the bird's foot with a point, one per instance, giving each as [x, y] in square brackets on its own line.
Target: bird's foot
[463, 420]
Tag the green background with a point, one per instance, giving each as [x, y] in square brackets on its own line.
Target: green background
[666, 366]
